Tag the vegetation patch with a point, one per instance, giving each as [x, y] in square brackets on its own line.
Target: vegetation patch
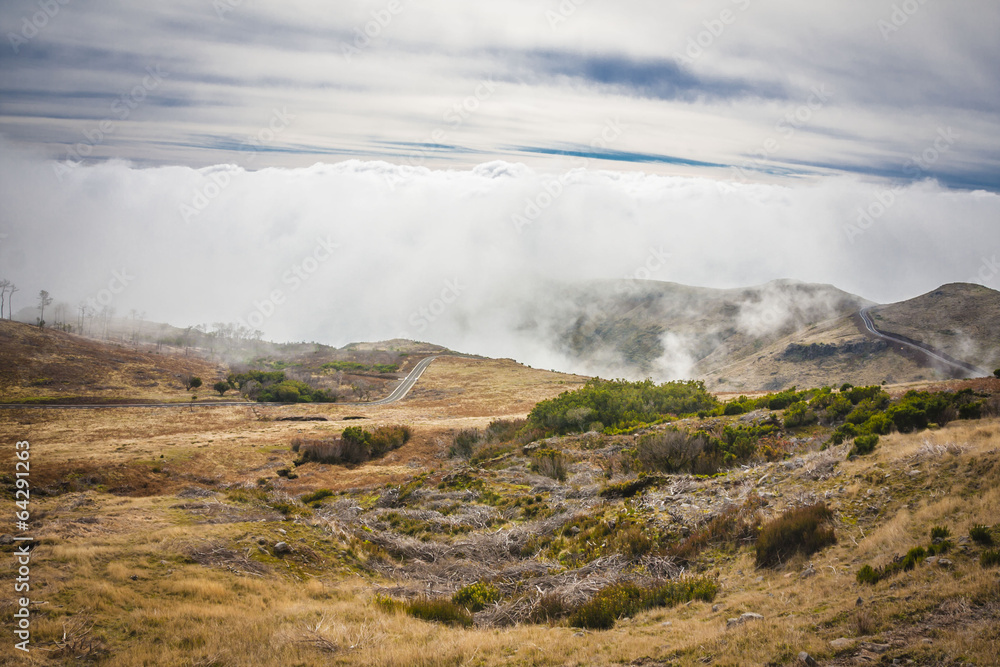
[628, 599]
[354, 445]
[618, 404]
[801, 530]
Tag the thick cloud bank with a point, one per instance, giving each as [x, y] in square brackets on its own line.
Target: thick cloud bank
[368, 250]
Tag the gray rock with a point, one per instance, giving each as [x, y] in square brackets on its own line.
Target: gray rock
[808, 571]
[944, 562]
[841, 644]
[876, 648]
[716, 607]
[749, 616]
[6, 539]
[807, 659]
[282, 548]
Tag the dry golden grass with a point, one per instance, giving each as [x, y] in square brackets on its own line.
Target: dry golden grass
[126, 590]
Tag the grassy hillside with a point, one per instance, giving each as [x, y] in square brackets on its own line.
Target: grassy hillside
[39, 364]
[192, 538]
[960, 319]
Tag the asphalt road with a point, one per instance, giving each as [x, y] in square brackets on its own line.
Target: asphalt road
[406, 385]
[870, 325]
[397, 394]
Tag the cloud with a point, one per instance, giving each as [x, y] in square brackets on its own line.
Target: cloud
[363, 250]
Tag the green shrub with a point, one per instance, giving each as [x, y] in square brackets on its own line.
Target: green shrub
[611, 603]
[990, 558]
[316, 496]
[549, 462]
[440, 610]
[477, 596]
[627, 599]
[799, 414]
[868, 575]
[801, 530]
[863, 444]
[355, 445]
[940, 532]
[980, 534]
[388, 604]
[629, 488]
[618, 403]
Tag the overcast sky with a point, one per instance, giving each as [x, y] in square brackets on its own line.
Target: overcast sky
[208, 147]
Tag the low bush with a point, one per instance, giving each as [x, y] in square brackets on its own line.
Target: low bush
[551, 607]
[801, 530]
[440, 610]
[990, 558]
[940, 532]
[629, 488]
[355, 445]
[799, 414]
[868, 575]
[980, 534]
[477, 596]
[734, 526]
[863, 444]
[316, 496]
[628, 599]
[549, 462]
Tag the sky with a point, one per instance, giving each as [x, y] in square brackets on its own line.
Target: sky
[358, 170]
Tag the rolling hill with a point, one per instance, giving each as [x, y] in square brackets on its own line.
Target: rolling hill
[762, 338]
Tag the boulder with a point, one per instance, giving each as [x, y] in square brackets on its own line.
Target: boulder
[749, 616]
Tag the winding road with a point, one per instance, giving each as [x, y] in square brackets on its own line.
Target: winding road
[925, 350]
[397, 394]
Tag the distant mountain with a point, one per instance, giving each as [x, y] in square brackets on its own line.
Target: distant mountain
[960, 319]
[760, 338]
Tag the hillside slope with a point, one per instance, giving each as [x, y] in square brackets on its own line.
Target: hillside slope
[639, 329]
[47, 364]
[960, 319]
[764, 338]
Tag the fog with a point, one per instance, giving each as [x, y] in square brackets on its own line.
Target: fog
[363, 250]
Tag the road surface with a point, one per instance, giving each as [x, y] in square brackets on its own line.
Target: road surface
[397, 394]
[965, 368]
[407, 384]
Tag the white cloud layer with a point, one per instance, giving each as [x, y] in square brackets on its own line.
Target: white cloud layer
[368, 250]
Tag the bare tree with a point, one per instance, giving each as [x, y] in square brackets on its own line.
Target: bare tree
[10, 302]
[43, 300]
[4, 284]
